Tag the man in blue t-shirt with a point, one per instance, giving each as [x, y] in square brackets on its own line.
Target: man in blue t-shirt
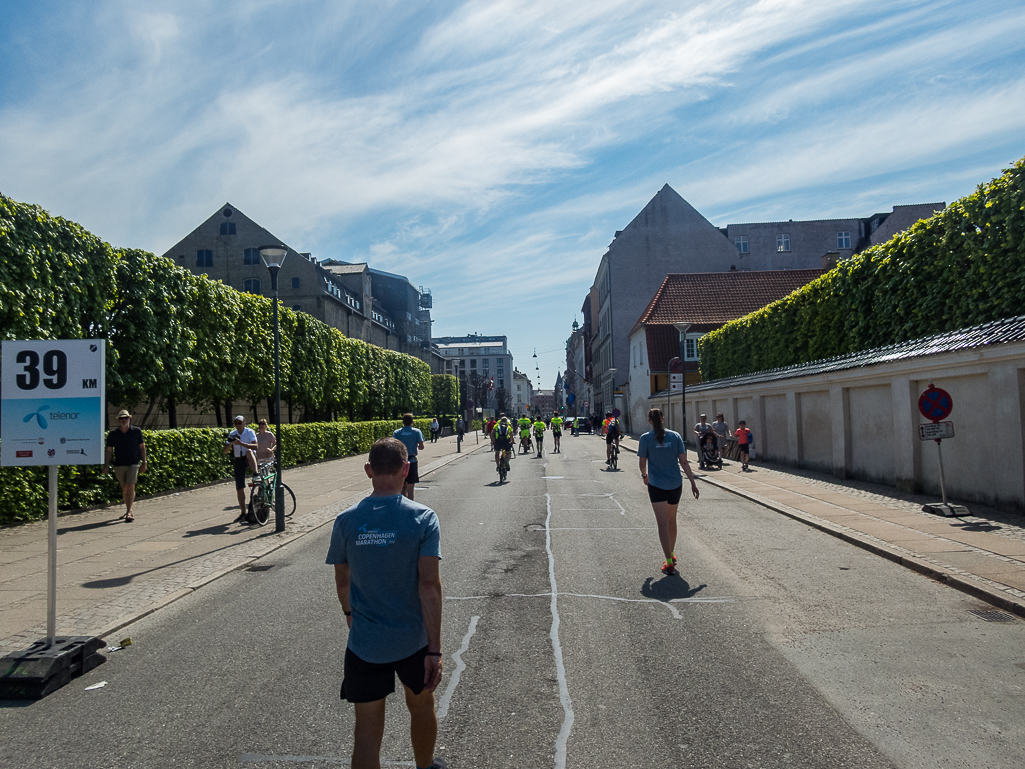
[413, 440]
[386, 553]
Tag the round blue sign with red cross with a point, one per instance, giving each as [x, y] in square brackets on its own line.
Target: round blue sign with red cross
[935, 404]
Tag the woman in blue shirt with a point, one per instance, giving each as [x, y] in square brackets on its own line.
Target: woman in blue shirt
[660, 454]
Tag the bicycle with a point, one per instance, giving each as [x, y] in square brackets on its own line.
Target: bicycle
[261, 496]
[503, 466]
[614, 458]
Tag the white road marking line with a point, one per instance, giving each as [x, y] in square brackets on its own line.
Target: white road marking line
[610, 495]
[446, 698]
[560, 668]
[604, 528]
[259, 758]
[553, 477]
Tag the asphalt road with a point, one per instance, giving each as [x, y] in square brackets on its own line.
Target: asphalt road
[565, 646]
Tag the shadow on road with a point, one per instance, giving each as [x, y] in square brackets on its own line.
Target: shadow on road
[669, 588]
[88, 526]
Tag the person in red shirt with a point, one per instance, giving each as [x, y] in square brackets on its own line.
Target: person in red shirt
[744, 440]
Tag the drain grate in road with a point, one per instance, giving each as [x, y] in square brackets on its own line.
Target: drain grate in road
[992, 615]
[262, 567]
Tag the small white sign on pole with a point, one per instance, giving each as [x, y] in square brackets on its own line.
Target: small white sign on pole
[936, 431]
[675, 383]
[53, 400]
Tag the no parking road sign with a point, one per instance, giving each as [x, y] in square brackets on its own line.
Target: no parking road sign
[935, 404]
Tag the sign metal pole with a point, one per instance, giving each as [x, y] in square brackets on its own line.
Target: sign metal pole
[51, 565]
[939, 453]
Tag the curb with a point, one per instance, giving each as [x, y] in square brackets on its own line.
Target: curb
[287, 539]
[967, 585]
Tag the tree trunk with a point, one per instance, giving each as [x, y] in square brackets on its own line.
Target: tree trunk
[172, 413]
[227, 413]
[270, 410]
[217, 413]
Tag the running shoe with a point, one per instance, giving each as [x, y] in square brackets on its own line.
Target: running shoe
[668, 569]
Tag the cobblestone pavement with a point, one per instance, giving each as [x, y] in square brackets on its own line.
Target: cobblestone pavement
[982, 554]
[110, 573]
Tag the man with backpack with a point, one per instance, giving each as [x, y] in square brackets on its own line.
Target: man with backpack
[613, 430]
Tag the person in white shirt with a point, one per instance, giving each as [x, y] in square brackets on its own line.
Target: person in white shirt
[241, 441]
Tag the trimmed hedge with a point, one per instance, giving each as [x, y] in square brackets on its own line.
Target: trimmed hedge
[174, 337]
[963, 266]
[179, 459]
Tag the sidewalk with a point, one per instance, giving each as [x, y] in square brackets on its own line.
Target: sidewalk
[110, 573]
[982, 554]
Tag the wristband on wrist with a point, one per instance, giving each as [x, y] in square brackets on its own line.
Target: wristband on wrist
[347, 613]
[433, 654]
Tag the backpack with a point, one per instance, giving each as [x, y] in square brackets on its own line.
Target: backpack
[614, 428]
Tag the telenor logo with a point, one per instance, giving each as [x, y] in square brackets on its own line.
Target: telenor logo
[38, 414]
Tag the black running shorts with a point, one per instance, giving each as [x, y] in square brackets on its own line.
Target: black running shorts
[371, 681]
[240, 465]
[672, 496]
[503, 443]
[413, 476]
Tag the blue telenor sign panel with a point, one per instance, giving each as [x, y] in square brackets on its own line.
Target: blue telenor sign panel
[52, 409]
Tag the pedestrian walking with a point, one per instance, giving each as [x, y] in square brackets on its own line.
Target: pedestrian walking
[386, 553]
[435, 430]
[745, 439]
[661, 454]
[413, 440]
[126, 445]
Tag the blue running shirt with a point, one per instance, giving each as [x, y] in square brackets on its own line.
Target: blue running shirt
[381, 539]
[663, 461]
[411, 437]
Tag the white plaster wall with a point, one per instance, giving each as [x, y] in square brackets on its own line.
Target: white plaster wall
[863, 423]
[816, 430]
[872, 437]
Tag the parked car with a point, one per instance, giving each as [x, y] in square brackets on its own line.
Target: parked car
[583, 424]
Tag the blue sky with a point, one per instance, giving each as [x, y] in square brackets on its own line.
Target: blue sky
[490, 150]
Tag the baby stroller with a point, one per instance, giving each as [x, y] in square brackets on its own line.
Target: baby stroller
[708, 452]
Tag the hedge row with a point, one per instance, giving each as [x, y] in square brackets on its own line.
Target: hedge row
[961, 267]
[179, 459]
[174, 337]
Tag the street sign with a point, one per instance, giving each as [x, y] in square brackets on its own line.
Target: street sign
[617, 413]
[586, 404]
[53, 402]
[935, 404]
[936, 431]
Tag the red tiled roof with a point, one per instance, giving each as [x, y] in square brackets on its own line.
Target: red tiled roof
[707, 300]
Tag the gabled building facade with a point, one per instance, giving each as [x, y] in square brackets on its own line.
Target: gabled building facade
[362, 303]
[704, 301]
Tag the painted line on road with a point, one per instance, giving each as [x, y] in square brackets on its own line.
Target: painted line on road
[604, 528]
[446, 698]
[560, 667]
[260, 758]
[610, 495]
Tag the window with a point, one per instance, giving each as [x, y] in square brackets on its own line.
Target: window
[204, 258]
[690, 348]
[501, 383]
[473, 363]
[485, 363]
[227, 228]
[295, 282]
[297, 307]
[251, 285]
[251, 256]
[741, 241]
[843, 240]
[783, 242]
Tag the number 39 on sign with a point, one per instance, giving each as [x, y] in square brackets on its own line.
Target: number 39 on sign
[53, 401]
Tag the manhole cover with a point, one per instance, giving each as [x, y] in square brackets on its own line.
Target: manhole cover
[264, 567]
[992, 615]
[535, 527]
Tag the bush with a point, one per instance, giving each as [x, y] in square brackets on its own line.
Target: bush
[963, 266]
[179, 459]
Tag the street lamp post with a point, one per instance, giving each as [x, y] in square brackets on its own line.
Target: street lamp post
[612, 396]
[682, 328]
[273, 257]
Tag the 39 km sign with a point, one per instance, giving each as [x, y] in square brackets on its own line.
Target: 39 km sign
[53, 395]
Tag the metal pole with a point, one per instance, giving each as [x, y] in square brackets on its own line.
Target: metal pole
[279, 493]
[943, 489]
[51, 571]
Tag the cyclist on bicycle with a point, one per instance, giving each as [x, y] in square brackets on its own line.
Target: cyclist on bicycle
[539, 435]
[612, 432]
[556, 430]
[502, 434]
[524, 436]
